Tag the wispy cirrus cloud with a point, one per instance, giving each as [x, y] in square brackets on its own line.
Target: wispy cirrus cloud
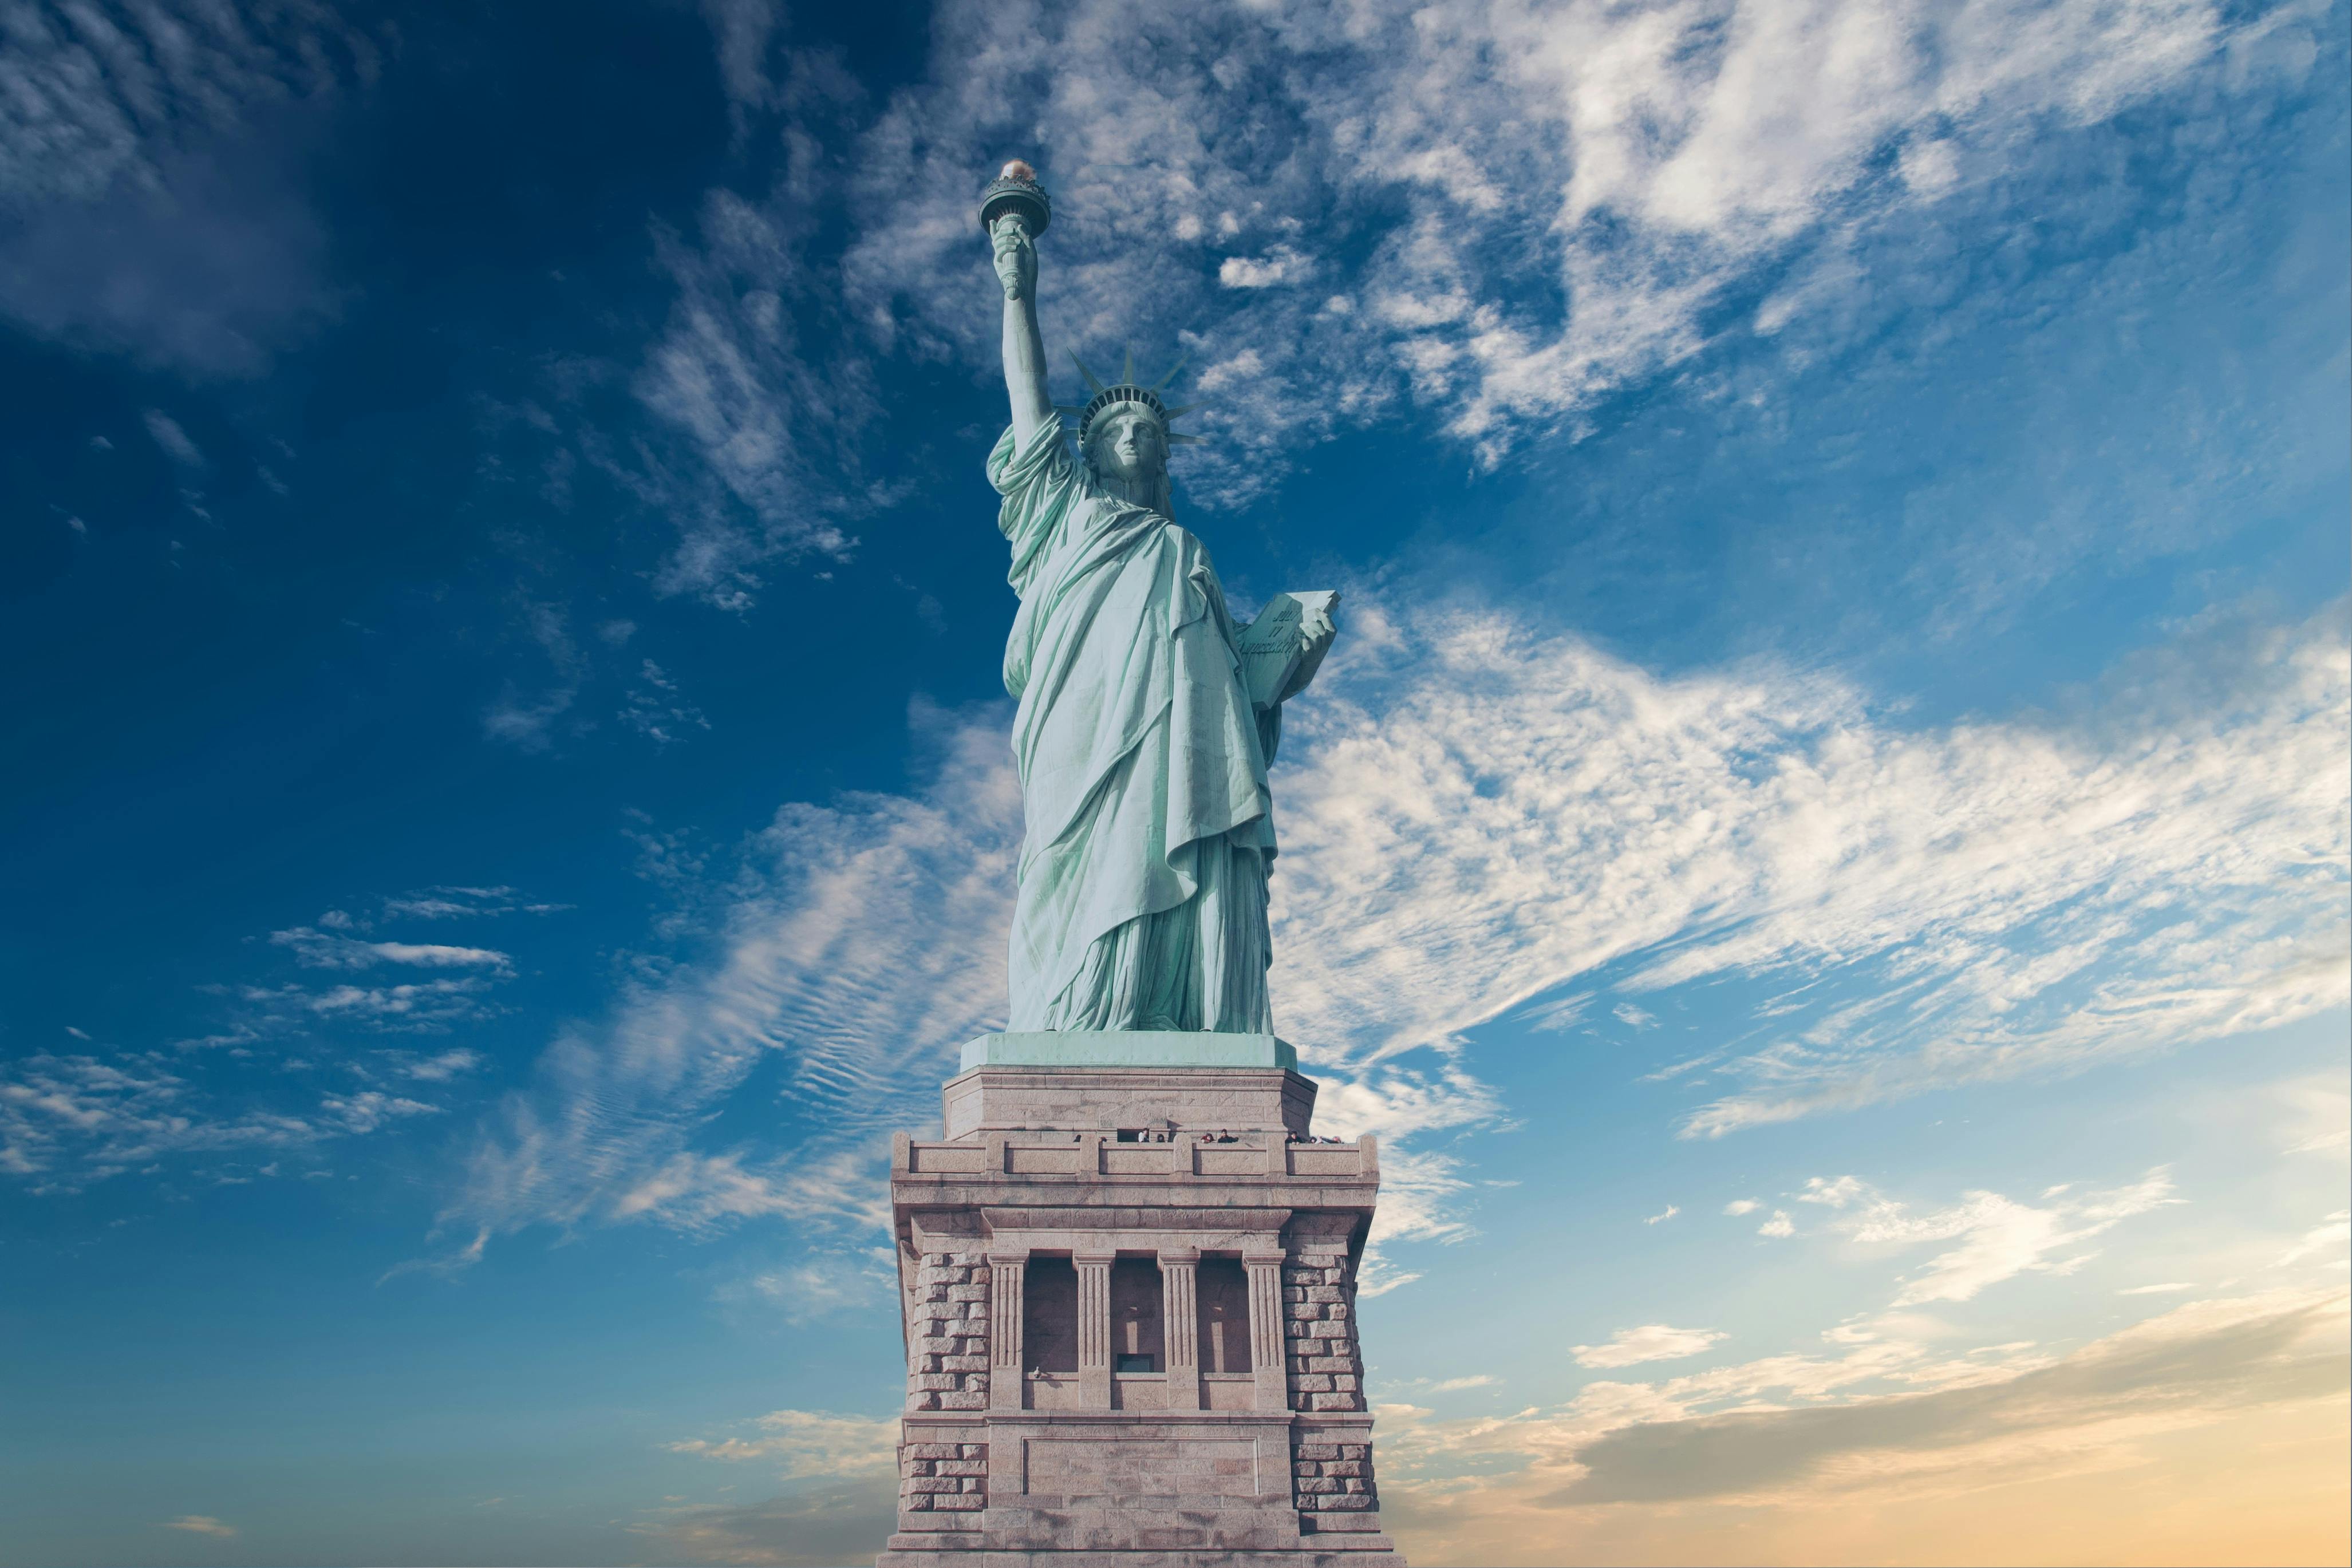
[805, 1443]
[1651, 1341]
[67, 1121]
[1483, 812]
[1998, 1237]
[145, 210]
[1475, 813]
[863, 944]
[319, 949]
[1811, 1438]
[203, 1524]
[1492, 209]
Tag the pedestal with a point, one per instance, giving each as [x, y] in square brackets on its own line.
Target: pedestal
[1129, 1278]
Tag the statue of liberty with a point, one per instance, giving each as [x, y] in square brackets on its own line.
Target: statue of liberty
[1147, 716]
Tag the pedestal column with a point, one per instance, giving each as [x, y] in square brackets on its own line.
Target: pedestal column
[1006, 1280]
[1179, 1324]
[1094, 1329]
[1266, 1347]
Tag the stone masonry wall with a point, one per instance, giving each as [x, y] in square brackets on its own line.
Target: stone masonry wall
[947, 1334]
[943, 1477]
[1333, 1478]
[1326, 1370]
[1326, 1373]
[947, 1369]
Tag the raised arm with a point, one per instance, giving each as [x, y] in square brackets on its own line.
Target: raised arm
[1025, 347]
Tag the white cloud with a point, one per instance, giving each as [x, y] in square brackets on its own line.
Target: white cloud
[2000, 1238]
[172, 439]
[771, 429]
[656, 710]
[1835, 1194]
[1739, 1206]
[1651, 1341]
[65, 1122]
[1474, 815]
[1886, 1422]
[442, 1068]
[2171, 1289]
[1668, 1213]
[809, 1443]
[1278, 266]
[864, 944]
[144, 215]
[1547, 202]
[1480, 813]
[201, 1524]
[815, 1285]
[2330, 1235]
[325, 950]
[1778, 1226]
[451, 902]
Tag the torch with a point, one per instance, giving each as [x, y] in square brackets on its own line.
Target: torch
[1015, 193]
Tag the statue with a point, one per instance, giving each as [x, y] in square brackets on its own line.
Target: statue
[1147, 716]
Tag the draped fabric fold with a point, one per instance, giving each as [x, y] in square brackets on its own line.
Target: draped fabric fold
[1149, 828]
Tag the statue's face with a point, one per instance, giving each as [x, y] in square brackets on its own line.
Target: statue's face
[1128, 447]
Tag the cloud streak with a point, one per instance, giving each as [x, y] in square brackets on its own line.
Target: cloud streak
[1483, 812]
[1475, 813]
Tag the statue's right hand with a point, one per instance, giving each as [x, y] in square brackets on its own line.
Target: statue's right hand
[1016, 256]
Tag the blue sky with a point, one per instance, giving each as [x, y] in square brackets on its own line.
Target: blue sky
[1822, 849]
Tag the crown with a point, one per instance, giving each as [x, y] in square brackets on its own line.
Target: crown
[1130, 391]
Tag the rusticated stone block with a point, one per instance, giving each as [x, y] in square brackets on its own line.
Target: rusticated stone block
[1337, 1468]
[974, 1401]
[971, 1501]
[921, 1486]
[929, 1450]
[1317, 1452]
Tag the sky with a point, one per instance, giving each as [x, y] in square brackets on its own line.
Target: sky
[1820, 850]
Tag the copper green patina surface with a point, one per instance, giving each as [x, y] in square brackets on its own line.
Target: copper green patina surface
[1126, 1047]
[1147, 716]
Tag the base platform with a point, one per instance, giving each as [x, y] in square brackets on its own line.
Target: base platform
[1129, 1293]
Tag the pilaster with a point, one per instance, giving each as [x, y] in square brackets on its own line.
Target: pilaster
[1179, 1324]
[1006, 1279]
[1094, 1329]
[1267, 1348]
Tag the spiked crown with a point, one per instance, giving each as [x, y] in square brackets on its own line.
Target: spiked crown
[1127, 391]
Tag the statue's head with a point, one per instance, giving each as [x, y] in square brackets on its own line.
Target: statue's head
[1127, 442]
[1123, 434]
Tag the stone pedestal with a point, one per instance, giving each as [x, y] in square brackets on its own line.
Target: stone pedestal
[1130, 1299]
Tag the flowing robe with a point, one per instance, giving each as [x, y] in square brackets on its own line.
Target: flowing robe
[1142, 901]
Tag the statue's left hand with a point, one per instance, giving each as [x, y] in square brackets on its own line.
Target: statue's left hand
[1315, 633]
